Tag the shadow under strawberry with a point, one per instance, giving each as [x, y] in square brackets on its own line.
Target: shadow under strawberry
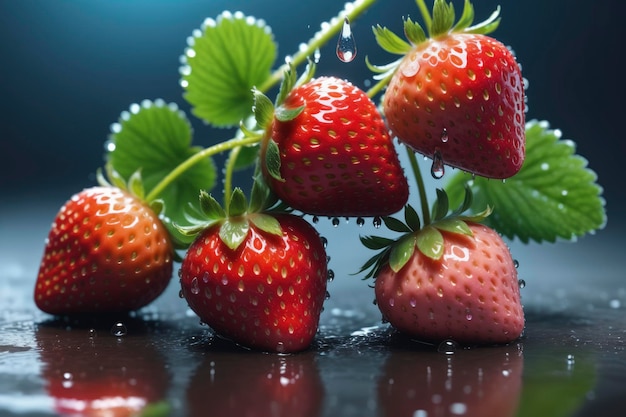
[89, 371]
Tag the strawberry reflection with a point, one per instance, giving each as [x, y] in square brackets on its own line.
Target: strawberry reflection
[88, 371]
[481, 382]
[235, 382]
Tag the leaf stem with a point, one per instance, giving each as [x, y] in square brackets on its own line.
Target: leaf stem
[428, 20]
[228, 175]
[420, 186]
[197, 157]
[325, 34]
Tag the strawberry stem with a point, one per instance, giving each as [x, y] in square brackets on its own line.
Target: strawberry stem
[428, 20]
[420, 186]
[229, 170]
[194, 159]
[352, 11]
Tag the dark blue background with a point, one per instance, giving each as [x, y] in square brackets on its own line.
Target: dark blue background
[68, 68]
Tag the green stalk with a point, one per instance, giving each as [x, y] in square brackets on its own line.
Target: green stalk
[195, 158]
[420, 186]
[228, 176]
[428, 20]
[320, 39]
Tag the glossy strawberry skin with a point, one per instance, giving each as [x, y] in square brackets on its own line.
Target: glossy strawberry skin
[267, 294]
[106, 252]
[470, 295]
[461, 95]
[337, 158]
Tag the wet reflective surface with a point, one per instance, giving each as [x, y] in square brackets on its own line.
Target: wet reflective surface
[571, 360]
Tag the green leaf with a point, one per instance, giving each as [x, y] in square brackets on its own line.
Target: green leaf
[411, 218]
[454, 225]
[401, 252]
[286, 114]
[234, 231]
[396, 225]
[225, 59]
[238, 204]
[266, 223]
[443, 17]
[555, 195]
[272, 160]
[210, 206]
[155, 137]
[414, 32]
[430, 242]
[390, 42]
[441, 205]
[263, 110]
[135, 185]
[376, 242]
[467, 17]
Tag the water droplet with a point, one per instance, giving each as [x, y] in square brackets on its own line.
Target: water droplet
[327, 295]
[316, 56]
[67, 380]
[335, 221]
[570, 359]
[92, 333]
[180, 294]
[437, 169]
[515, 263]
[377, 222]
[315, 220]
[330, 275]
[119, 329]
[360, 221]
[468, 314]
[324, 241]
[195, 288]
[447, 347]
[413, 302]
[444, 135]
[180, 272]
[521, 283]
[346, 45]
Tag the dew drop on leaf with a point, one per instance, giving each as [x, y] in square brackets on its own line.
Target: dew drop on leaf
[437, 169]
[346, 45]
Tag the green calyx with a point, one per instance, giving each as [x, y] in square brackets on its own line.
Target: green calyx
[427, 239]
[134, 186]
[236, 218]
[441, 23]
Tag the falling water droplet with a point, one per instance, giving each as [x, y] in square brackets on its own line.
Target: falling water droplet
[521, 283]
[119, 329]
[335, 221]
[447, 347]
[444, 135]
[437, 170]
[377, 222]
[360, 221]
[346, 45]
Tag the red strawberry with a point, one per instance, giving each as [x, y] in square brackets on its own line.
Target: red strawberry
[107, 251]
[258, 279]
[336, 157]
[474, 382]
[451, 279]
[459, 97]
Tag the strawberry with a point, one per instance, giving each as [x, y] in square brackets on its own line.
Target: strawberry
[451, 279]
[328, 152]
[472, 382]
[107, 251]
[458, 97]
[256, 278]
